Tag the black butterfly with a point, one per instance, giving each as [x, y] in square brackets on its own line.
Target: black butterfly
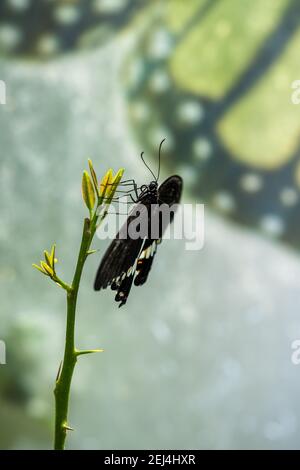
[128, 259]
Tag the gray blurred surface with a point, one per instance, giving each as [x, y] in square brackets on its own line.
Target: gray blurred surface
[201, 356]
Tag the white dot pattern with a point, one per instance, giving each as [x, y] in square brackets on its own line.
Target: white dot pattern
[202, 149]
[160, 45]
[251, 182]
[272, 225]
[289, 197]
[190, 112]
[10, 37]
[159, 82]
[19, 5]
[67, 14]
[109, 6]
[48, 45]
[224, 201]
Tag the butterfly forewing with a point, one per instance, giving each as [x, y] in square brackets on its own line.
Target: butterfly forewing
[169, 192]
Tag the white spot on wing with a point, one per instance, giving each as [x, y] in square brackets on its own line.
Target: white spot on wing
[190, 112]
[202, 149]
[48, 45]
[273, 225]
[19, 5]
[224, 201]
[289, 197]
[251, 182]
[160, 45]
[159, 82]
[148, 252]
[10, 36]
[109, 6]
[67, 14]
[129, 271]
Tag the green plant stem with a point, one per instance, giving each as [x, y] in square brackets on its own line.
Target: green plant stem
[64, 378]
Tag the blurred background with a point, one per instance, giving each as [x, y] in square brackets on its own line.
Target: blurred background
[200, 357]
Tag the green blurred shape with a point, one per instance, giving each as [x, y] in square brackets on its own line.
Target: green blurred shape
[217, 50]
[263, 128]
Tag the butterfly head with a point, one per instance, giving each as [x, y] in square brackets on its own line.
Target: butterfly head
[149, 188]
[153, 186]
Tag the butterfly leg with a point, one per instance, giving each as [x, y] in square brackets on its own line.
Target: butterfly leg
[133, 183]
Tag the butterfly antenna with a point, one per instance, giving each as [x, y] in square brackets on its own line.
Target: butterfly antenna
[147, 166]
[159, 153]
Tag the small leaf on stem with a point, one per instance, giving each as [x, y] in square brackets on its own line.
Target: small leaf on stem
[47, 258]
[114, 184]
[94, 176]
[47, 268]
[40, 269]
[105, 185]
[88, 192]
[52, 256]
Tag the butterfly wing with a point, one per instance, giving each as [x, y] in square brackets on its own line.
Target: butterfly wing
[130, 259]
[118, 266]
[168, 193]
[243, 169]
[145, 261]
[122, 252]
[170, 190]
[45, 29]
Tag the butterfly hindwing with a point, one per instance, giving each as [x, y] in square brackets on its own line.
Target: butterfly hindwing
[123, 289]
[145, 261]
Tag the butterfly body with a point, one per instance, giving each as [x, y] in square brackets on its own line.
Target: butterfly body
[129, 257]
